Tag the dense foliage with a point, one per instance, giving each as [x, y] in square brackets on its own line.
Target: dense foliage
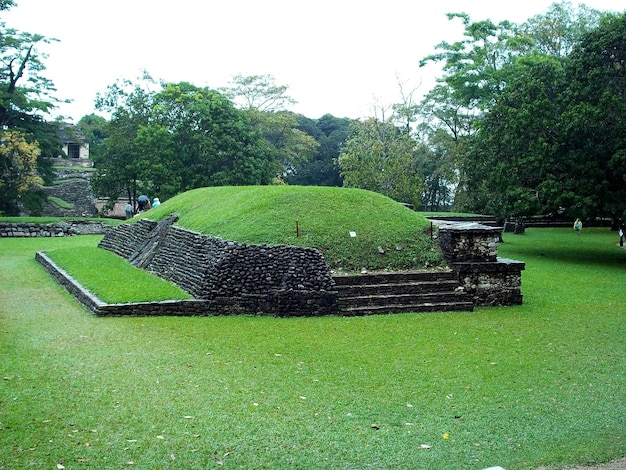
[535, 114]
[176, 138]
[525, 119]
[25, 93]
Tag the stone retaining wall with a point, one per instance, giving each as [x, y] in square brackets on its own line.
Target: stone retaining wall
[100, 308]
[53, 229]
[77, 193]
[471, 250]
[233, 277]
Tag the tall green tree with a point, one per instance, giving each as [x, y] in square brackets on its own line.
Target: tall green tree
[322, 170]
[179, 137]
[214, 141]
[119, 169]
[497, 80]
[555, 139]
[25, 96]
[18, 169]
[380, 157]
[94, 128]
[512, 162]
[266, 103]
[594, 122]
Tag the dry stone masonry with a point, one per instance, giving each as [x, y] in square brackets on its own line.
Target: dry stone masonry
[232, 277]
[227, 277]
[55, 229]
[471, 249]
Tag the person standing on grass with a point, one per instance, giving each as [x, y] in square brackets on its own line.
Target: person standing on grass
[578, 225]
[621, 230]
[129, 211]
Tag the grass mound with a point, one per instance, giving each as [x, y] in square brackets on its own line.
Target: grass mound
[388, 235]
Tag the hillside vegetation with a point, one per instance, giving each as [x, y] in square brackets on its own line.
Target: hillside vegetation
[388, 235]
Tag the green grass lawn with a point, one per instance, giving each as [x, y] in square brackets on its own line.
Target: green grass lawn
[112, 279]
[520, 387]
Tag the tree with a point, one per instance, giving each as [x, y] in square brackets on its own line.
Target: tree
[322, 170]
[214, 141]
[512, 162]
[258, 92]
[119, 170]
[557, 31]
[18, 169]
[555, 139]
[266, 104]
[94, 128]
[503, 80]
[594, 122]
[380, 157]
[25, 96]
[179, 138]
[23, 89]
[290, 146]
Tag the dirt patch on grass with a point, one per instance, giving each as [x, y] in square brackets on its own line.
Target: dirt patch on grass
[619, 464]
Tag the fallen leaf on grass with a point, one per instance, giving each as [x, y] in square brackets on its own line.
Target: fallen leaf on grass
[375, 426]
[445, 435]
[425, 446]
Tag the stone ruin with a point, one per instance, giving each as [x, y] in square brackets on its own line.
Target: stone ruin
[226, 277]
[471, 250]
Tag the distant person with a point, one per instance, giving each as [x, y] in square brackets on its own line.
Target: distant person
[129, 211]
[144, 203]
[578, 225]
[156, 202]
[621, 230]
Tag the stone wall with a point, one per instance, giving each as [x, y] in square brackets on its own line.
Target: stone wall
[53, 229]
[233, 277]
[77, 193]
[99, 308]
[469, 242]
[492, 284]
[471, 250]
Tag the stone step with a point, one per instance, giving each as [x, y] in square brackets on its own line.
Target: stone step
[409, 308]
[413, 287]
[346, 301]
[418, 291]
[392, 278]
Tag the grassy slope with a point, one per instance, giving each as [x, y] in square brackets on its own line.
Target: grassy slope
[325, 217]
[537, 384]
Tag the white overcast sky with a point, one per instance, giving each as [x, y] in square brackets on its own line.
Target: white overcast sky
[337, 56]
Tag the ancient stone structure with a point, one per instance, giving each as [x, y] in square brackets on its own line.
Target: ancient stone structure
[471, 249]
[53, 229]
[141, 309]
[77, 193]
[232, 277]
[228, 277]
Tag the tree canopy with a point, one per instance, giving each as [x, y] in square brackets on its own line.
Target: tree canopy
[26, 95]
[532, 114]
[179, 137]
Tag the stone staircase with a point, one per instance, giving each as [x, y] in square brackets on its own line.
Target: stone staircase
[418, 291]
